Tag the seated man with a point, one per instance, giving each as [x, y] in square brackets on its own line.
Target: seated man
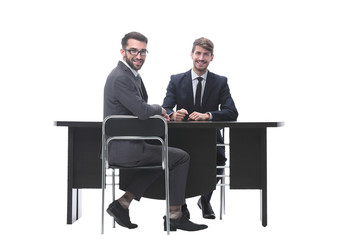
[197, 95]
[125, 94]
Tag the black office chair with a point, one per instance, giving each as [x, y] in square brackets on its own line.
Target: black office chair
[125, 127]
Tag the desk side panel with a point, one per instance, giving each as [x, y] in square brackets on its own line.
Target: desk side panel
[86, 153]
[246, 157]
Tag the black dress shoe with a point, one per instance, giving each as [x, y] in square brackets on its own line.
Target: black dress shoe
[184, 224]
[185, 211]
[206, 208]
[120, 214]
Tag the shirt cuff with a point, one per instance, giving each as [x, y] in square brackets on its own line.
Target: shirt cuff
[170, 116]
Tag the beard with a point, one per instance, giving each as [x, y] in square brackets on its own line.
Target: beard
[130, 62]
[200, 65]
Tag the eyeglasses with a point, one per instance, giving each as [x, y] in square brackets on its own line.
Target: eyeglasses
[135, 52]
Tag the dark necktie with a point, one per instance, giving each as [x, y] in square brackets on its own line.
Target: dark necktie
[198, 95]
[140, 85]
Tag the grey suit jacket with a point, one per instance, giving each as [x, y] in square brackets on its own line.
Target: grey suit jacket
[123, 95]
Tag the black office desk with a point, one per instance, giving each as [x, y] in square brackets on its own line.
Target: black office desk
[248, 158]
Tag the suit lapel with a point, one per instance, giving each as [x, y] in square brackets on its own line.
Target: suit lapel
[141, 87]
[129, 72]
[189, 91]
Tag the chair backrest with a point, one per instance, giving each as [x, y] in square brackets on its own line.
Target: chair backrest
[126, 125]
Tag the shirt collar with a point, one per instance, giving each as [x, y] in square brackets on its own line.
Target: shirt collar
[194, 75]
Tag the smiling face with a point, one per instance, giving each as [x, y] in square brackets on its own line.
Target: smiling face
[201, 60]
[134, 61]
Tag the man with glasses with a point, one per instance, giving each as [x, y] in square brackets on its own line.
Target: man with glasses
[125, 94]
[200, 95]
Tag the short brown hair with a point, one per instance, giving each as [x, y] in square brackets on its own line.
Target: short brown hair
[133, 35]
[205, 43]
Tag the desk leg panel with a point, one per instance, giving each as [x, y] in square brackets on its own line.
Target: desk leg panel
[84, 167]
[73, 201]
[264, 178]
[248, 163]
[87, 161]
[247, 158]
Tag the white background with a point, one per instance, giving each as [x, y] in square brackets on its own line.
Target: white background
[291, 61]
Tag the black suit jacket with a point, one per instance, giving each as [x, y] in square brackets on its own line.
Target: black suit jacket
[216, 99]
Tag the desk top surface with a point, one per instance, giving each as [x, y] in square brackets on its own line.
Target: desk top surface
[184, 124]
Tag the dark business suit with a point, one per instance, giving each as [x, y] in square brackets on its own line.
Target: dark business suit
[216, 94]
[126, 95]
[180, 94]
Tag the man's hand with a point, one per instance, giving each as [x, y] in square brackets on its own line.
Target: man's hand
[196, 116]
[164, 114]
[179, 115]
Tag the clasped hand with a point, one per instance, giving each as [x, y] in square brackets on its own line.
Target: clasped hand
[179, 115]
